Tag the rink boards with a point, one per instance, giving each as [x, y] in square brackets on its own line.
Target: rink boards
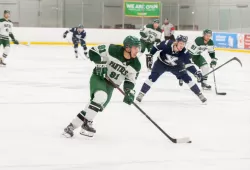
[54, 36]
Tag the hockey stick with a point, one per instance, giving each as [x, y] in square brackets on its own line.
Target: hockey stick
[215, 86]
[235, 58]
[174, 140]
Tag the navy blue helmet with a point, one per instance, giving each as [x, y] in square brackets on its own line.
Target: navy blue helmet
[80, 26]
[182, 38]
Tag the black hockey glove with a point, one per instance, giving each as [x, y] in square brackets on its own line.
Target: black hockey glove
[65, 34]
[15, 42]
[149, 61]
[199, 76]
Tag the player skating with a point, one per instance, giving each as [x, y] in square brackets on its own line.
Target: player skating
[200, 45]
[174, 58]
[5, 32]
[78, 36]
[150, 34]
[118, 63]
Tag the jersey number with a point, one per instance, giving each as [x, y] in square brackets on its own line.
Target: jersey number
[114, 75]
[193, 47]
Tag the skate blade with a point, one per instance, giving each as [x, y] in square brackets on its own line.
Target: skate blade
[204, 103]
[86, 133]
[208, 89]
[66, 135]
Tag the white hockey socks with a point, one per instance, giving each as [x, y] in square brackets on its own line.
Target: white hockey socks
[91, 110]
[205, 70]
[5, 53]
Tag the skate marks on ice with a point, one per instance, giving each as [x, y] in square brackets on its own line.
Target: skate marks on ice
[203, 164]
[42, 92]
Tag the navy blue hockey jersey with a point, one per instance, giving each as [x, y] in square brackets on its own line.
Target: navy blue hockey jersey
[78, 35]
[171, 58]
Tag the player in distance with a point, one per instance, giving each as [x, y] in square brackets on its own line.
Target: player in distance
[5, 32]
[150, 34]
[174, 58]
[78, 36]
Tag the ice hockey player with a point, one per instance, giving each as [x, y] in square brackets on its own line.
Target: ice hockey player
[5, 32]
[78, 36]
[150, 34]
[174, 58]
[200, 45]
[119, 64]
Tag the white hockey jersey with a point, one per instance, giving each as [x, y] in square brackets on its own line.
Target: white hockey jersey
[5, 28]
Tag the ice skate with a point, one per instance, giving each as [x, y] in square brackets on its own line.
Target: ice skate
[69, 131]
[202, 98]
[2, 63]
[87, 129]
[139, 97]
[205, 86]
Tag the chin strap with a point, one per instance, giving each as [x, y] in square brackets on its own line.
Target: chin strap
[129, 52]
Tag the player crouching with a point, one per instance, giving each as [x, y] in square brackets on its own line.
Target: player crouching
[78, 36]
[174, 58]
[117, 63]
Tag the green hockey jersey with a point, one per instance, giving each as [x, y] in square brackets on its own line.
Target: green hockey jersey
[5, 28]
[119, 68]
[149, 34]
[199, 46]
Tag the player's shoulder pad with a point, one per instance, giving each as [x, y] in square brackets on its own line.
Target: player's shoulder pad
[149, 26]
[198, 40]
[169, 42]
[136, 64]
[115, 50]
[2, 19]
[159, 29]
[210, 42]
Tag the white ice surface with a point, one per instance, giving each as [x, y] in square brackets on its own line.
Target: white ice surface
[43, 88]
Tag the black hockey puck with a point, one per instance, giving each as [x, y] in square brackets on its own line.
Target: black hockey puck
[190, 141]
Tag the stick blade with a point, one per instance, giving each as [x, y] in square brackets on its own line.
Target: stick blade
[221, 93]
[183, 140]
[236, 59]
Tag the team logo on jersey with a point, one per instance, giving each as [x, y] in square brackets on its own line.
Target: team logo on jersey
[118, 67]
[203, 48]
[171, 60]
[152, 33]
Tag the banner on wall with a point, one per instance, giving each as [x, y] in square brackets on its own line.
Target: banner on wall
[225, 40]
[142, 9]
[241, 41]
[247, 41]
